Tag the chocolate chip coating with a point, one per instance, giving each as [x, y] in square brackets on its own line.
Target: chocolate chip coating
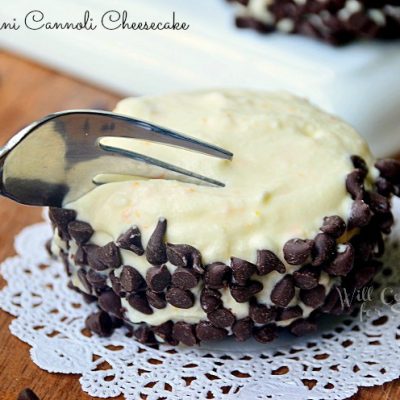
[355, 183]
[83, 278]
[242, 270]
[267, 262]
[221, 318]
[297, 251]
[158, 278]
[96, 279]
[389, 169]
[359, 163]
[116, 284]
[185, 278]
[101, 258]
[180, 298]
[100, 323]
[139, 302]
[306, 277]
[324, 249]
[131, 240]
[183, 255]
[156, 250]
[302, 327]
[262, 314]
[205, 331]
[164, 331]
[360, 214]
[343, 263]
[384, 187]
[80, 231]
[283, 292]
[131, 280]
[265, 334]
[184, 333]
[210, 300]
[110, 303]
[313, 297]
[242, 329]
[61, 217]
[379, 204]
[289, 313]
[242, 294]
[334, 226]
[156, 300]
[217, 275]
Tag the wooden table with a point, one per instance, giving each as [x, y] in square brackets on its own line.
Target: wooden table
[27, 92]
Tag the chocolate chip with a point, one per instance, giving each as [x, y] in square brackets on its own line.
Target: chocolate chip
[313, 297]
[360, 214]
[61, 217]
[297, 251]
[334, 226]
[379, 204]
[283, 292]
[366, 273]
[143, 334]
[389, 169]
[82, 277]
[206, 331]
[243, 329]
[180, 298]
[343, 263]
[384, 187]
[217, 275]
[242, 270]
[242, 294]
[210, 300]
[267, 262]
[289, 313]
[80, 257]
[355, 183]
[262, 314]
[131, 280]
[164, 331]
[97, 280]
[221, 318]
[139, 302]
[185, 278]
[302, 327]
[183, 255]
[359, 163]
[100, 323]
[184, 333]
[116, 284]
[265, 334]
[27, 394]
[331, 301]
[306, 277]
[110, 303]
[131, 240]
[156, 300]
[158, 278]
[156, 251]
[101, 258]
[80, 231]
[385, 222]
[324, 249]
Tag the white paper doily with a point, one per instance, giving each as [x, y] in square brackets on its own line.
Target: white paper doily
[345, 354]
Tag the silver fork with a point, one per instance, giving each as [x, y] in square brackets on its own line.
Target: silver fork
[54, 161]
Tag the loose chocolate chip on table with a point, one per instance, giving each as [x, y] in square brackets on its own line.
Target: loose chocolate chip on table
[27, 394]
[384, 187]
[205, 331]
[131, 280]
[100, 323]
[61, 217]
[324, 249]
[83, 278]
[221, 318]
[139, 302]
[180, 298]
[184, 333]
[96, 279]
[185, 278]
[302, 327]
[242, 294]
[210, 300]
[101, 258]
[359, 163]
[267, 262]
[262, 314]
[343, 263]
[110, 303]
[265, 334]
[360, 214]
[355, 183]
[80, 231]
[183, 255]
[243, 329]
[297, 251]
[306, 277]
[242, 270]
[313, 297]
[334, 226]
[158, 278]
[283, 292]
[217, 275]
[156, 300]
[389, 169]
[379, 204]
[156, 250]
[290, 313]
[131, 240]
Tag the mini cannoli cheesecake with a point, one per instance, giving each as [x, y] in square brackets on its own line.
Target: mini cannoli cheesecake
[302, 217]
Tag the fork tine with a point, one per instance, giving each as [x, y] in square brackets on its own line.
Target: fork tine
[158, 163]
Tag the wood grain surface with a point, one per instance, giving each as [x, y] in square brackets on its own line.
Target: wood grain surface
[27, 92]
